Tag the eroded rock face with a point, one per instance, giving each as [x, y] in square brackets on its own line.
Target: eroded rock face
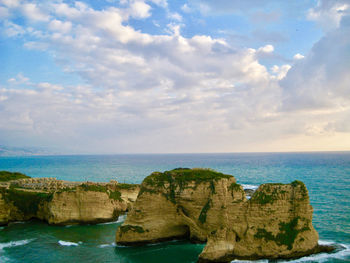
[60, 202]
[207, 206]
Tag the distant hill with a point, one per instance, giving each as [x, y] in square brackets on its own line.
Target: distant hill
[25, 151]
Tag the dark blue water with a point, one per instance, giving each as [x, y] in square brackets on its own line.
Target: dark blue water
[326, 175]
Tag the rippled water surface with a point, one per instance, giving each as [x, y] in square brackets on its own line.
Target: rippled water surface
[326, 175]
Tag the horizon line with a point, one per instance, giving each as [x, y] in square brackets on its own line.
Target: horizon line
[174, 153]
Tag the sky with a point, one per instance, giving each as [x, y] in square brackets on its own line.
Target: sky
[187, 76]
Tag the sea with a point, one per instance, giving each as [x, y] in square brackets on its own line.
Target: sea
[326, 175]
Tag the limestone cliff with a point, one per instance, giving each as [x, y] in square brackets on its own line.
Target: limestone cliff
[61, 202]
[207, 206]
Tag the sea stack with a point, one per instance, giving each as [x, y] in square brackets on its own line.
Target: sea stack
[207, 206]
[62, 202]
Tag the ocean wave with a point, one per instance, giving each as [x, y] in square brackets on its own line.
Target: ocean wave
[1, 227]
[254, 261]
[5, 259]
[15, 243]
[108, 245]
[68, 243]
[250, 186]
[121, 219]
[342, 252]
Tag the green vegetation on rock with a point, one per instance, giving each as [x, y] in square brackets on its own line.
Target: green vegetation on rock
[126, 186]
[268, 193]
[302, 186]
[7, 176]
[181, 176]
[94, 187]
[234, 188]
[27, 202]
[203, 215]
[286, 236]
[178, 179]
[127, 228]
[262, 198]
[115, 195]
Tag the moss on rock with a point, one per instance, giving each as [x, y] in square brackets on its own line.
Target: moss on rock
[94, 188]
[115, 195]
[203, 215]
[26, 201]
[286, 236]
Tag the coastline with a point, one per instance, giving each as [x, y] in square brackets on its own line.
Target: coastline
[319, 179]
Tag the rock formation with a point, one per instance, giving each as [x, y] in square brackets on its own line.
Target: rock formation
[206, 206]
[61, 202]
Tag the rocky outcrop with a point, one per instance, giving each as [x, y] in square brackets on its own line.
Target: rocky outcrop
[61, 202]
[207, 206]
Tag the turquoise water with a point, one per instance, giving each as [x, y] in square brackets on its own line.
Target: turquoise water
[326, 175]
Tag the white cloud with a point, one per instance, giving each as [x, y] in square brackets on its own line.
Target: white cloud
[12, 29]
[266, 49]
[168, 92]
[321, 80]
[175, 16]
[57, 25]
[19, 79]
[10, 3]
[33, 12]
[298, 56]
[328, 13]
[280, 72]
[139, 9]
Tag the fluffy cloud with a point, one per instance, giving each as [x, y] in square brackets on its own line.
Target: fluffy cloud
[298, 56]
[321, 80]
[329, 12]
[164, 92]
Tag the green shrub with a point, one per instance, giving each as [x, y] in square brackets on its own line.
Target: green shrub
[94, 187]
[234, 187]
[27, 202]
[302, 186]
[7, 176]
[182, 176]
[262, 198]
[116, 195]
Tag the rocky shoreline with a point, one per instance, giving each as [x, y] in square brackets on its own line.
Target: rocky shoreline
[61, 202]
[199, 205]
[210, 207]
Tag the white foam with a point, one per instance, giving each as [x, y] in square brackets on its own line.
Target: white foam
[343, 253]
[5, 259]
[251, 187]
[15, 243]
[245, 261]
[108, 223]
[107, 245]
[121, 218]
[68, 243]
[1, 227]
